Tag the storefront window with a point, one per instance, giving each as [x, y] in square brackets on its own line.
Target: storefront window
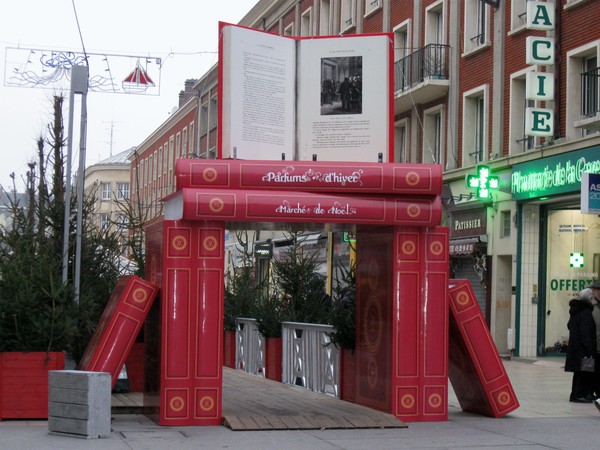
[573, 242]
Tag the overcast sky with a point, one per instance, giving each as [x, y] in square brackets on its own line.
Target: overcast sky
[183, 33]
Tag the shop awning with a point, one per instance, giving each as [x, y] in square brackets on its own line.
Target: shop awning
[464, 246]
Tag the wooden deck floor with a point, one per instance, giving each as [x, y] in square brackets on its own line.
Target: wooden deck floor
[254, 403]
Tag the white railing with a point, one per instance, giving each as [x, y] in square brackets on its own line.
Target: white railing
[310, 359]
[249, 347]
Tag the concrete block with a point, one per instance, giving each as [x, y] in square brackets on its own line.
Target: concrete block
[79, 403]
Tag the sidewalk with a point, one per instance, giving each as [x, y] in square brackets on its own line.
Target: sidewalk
[545, 419]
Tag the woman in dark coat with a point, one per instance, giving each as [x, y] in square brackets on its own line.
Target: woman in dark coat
[582, 343]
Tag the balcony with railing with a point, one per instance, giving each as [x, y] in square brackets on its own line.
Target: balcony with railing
[421, 76]
[590, 105]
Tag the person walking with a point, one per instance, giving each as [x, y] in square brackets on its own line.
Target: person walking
[595, 288]
[582, 344]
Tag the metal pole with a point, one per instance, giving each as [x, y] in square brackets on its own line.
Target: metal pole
[80, 186]
[78, 86]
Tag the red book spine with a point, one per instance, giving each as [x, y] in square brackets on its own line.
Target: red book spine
[339, 177]
[192, 323]
[420, 345]
[273, 206]
[476, 371]
[119, 326]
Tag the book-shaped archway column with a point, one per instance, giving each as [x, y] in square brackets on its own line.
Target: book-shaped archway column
[402, 276]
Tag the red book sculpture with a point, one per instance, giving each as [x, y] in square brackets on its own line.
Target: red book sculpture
[119, 325]
[475, 369]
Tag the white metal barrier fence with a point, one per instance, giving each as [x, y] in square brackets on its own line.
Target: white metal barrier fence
[310, 359]
[249, 347]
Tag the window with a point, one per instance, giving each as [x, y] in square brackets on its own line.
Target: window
[589, 87]
[475, 115]
[306, 23]
[105, 191]
[203, 120]
[574, 3]
[192, 148]
[123, 191]
[518, 141]
[178, 145]
[401, 141]
[104, 222]
[505, 224]
[122, 222]
[289, 30]
[184, 143]
[433, 136]
[348, 14]
[141, 180]
[212, 113]
[476, 25]
[402, 56]
[161, 162]
[434, 64]
[434, 24]
[171, 152]
[212, 153]
[372, 5]
[325, 18]
[518, 14]
[583, 78]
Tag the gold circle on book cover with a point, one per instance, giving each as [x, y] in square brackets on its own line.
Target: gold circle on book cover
[412, 178]
[436, 248]
[176, 404]
[209, 174]
[413, 210]
[179, 243]
[207, 403]
[216, 204]
[504, 398]
[140, 295]
[462, 298]
[407, 401]
[210, 243]
[408, 247]
[435, 400]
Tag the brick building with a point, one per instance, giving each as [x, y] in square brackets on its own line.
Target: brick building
[462, 99]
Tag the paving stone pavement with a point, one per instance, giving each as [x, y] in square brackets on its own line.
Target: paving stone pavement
[545, 420]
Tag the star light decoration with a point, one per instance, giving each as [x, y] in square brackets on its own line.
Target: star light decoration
[482, 182]
[576, 260]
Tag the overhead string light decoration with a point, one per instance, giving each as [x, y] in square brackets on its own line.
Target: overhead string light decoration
[51, 69]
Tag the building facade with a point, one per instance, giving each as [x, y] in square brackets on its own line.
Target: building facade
[463, 74]
[109, 183]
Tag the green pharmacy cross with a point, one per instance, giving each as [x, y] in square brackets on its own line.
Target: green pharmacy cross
[482, 182]
[576, 260]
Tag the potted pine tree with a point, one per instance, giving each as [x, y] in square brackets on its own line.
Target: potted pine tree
[297, 294]
[241, 293]
[40, 322]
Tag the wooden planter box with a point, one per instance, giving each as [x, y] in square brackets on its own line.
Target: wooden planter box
[229, 349]
[24, 383]
[273, 352]
[347, 375]
[135, 367]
